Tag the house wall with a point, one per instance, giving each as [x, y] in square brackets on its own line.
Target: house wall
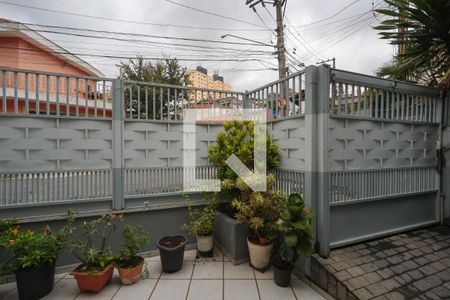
[20, 54]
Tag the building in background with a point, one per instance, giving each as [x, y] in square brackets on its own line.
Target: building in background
[23, 48]
[199, 78]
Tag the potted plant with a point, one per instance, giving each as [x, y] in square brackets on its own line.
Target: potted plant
[96, 260]
[171, 251]
[294, 239]
[237, 138]
[201, 226]
[260, 212]
[129, 263]
[32, 257]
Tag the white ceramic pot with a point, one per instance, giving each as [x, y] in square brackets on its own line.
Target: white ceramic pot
[205, 243]
[259, 254]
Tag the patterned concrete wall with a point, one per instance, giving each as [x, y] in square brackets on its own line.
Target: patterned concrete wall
[157, 144]
[361, 144]
[446, 144]
[289, 136]
[30, 144]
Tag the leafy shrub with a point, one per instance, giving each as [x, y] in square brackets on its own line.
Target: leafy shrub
[295, 233]
[260, 211]
[238, 138]
[134, 240]
[29, 249]
[201, 221]
[93, 257]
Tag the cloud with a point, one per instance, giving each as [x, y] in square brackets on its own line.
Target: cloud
[362, 51]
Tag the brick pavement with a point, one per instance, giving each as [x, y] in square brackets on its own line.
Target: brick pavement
[411, 265]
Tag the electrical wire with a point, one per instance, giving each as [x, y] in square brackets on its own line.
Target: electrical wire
[124, 20]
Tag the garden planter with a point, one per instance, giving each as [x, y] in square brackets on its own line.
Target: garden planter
[33, 284]
[131, 275]
[259, 255]
[282, 277]
[93, 282]
[205, 245]
[171, 251]
[231, 236]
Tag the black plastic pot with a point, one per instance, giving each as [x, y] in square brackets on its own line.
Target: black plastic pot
[33, 284]
[282, 277]
[171, 251]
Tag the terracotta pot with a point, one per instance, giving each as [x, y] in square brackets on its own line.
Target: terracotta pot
[205, 243]
[93, 282]
[132, 275]
[259, 254]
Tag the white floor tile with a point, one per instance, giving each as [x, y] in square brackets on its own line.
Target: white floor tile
[153, 268]
[184, 273]
[167, 289]
[268, 274]
[190, 255]
[270, 291]
[304, 291]
[6, 289]
[242, 271]
[106, 294]
[205, 290]
[139, 291]
[64, 289]
[208, 270]
[240, 290]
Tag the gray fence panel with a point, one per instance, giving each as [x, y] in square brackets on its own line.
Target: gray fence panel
[383, 138]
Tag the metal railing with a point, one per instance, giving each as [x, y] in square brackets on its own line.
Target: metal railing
[54, 186]
[151, 181]
[289, 181]
[356, 185]
[148, 101]
[282, 98]
[357, 95]
[29, 92]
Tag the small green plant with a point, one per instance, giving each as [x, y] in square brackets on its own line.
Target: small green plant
[295, 233]
[201, 221]
[29, 249]
[89, 242]
[134, 240]
[260, 211]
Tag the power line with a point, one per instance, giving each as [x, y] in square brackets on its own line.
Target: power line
[127, 57]
[330, 17]
[212, 13]
[127, 40]
[137, 34]
[125, 20]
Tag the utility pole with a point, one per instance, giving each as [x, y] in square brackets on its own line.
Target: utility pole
[280, 6]
[280, 39]
[333, 60]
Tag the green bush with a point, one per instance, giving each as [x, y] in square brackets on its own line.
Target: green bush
[238, 138]
[29, 249]
[89, 242]
[201, 221]
[134, 240]
[295, 233]
[260, 211]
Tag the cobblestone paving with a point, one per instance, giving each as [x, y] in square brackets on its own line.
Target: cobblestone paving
[412, 265]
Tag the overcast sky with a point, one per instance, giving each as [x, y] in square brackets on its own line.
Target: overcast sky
[347, 36]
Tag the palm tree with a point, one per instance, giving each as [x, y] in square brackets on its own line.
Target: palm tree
[422, 27]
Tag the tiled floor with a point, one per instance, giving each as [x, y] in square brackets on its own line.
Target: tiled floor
[411, 265]
[214, 278]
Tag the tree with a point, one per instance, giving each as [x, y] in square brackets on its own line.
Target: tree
[422, 27]
[166, 71]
